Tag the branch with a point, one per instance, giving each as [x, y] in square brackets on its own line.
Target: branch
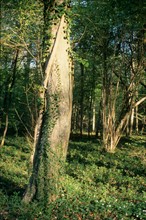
[119, 77]
[123, 124]
[24, 124]
[139, 102]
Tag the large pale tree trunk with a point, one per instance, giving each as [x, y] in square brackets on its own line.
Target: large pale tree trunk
[53, 126]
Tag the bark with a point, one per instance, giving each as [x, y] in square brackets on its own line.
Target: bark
[131, 122]
[99, 124]
[139, 102]
[5, 131]
[109, 95]
[81, 99]
[53, 127]
[94, 119]
[104, 99]
[90, 115]
[136, 120]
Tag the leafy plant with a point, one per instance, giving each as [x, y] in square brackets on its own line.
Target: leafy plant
[95, 185]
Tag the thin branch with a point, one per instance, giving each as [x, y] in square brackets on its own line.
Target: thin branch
[139, 102]
[23, 124]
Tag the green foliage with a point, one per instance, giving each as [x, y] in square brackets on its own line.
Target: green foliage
[14, 164]
[77, 58]
[21, 32]
[101, 31]
[96, 184]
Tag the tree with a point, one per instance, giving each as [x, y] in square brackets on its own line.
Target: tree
[128, 49]
[53, 124]
[8, 95]
[111, 36]
[21, 72]
[40, 91]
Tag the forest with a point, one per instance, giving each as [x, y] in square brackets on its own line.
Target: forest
[73, 110]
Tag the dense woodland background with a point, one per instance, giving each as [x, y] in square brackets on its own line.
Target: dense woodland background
[104, 173]
[108, 41]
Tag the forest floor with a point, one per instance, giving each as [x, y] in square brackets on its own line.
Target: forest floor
[95, 185]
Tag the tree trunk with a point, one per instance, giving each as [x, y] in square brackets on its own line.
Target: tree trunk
[136, 120]
[99, 124]
[131, 122]
[5, 130]
[53, 126]
[82, 99]
[123, 124]
[94, 119]
[90, 115]
[8, 95]
[136, 116]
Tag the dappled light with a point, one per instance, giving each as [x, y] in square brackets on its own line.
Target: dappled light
[73, 110]
[94, 184]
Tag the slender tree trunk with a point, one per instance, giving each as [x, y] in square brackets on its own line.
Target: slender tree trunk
[8, 96]
[108, 107]
[136, 116]
[94, 119]
[123, 123]
[82, 99]
[131, 122]
[136, 120]
[99, 124]
[104, 101]
[5, 130]
[54, 121]
[90, 115]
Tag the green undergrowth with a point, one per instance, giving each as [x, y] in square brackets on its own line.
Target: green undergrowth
[95, 185]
